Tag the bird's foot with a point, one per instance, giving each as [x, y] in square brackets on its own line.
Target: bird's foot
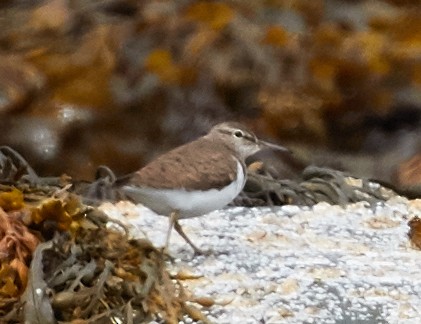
[198, 252]
[166, 254]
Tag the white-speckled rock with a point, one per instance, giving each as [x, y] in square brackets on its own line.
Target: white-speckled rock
[325, 264]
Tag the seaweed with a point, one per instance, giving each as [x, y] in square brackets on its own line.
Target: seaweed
[60, 261]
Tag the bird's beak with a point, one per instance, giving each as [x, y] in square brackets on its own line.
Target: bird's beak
[264, 144]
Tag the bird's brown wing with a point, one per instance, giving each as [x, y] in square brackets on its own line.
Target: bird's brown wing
[199, 165]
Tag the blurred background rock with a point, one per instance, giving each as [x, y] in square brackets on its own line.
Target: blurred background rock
[116, 82]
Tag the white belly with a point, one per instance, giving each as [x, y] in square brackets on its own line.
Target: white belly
[188, 203]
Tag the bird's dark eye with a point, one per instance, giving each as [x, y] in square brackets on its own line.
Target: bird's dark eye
[238, 134]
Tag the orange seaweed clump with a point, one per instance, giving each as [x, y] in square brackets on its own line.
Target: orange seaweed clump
[11, 200]
[275, 36]
[160, 62]
[22, 228]
[56, 211]
[17, 244]
[215, 15]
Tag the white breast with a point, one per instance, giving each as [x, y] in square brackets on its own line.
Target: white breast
[188, 203]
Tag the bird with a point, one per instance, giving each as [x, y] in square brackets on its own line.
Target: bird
[196, 178]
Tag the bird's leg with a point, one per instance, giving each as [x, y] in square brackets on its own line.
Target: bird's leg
[173, 220]
[180, 231]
